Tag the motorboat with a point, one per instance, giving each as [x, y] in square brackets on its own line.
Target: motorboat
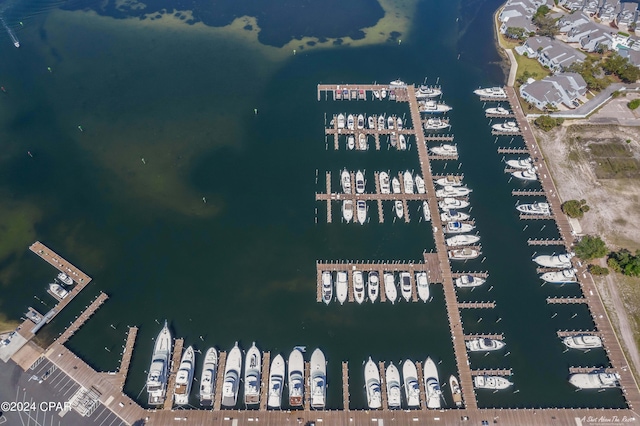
[373, 286]
[397, 83]
[371, 122]
[362, 142]
[482, 344]
[433, 107]
[351, 142]
[432, 384]
[327, 287]
[491, 92]
[358, 287]
[506, 127]
[449, 203]
[361, 211]
[426, 213]
[524, 163]
[408, 182]
[444, 149]
[393, 139]
[208, 377]
[399, 123]
[399, 208]
[582, 341]
[422, 283]
[452, 191]
[456, 391]
[390, 123]
[458, 227]
[66, 279]
[436, 123]
[528, 174]
[347, 210]
[342, 287]
[468, 281]
[359, 182]
[392, 95]
[381, 122]
[395, 185]
[535, 208]
[450, 180]
[58, 290]
[385, 186]
[372, 385]
[390, 287]
[465, 253]
[296, 378]
[554, 261]
[420, 185]
[450, 215]
[561, 277]
[428, 92]
[392, 378]
[276, 382]
[252, 372]
[159, 368]
[411, 385]
[402, 142]
[345, 181]
[376, 94]
[318, 378]
[360, 122]
[341, 121]
[497, 111]
[405, 285]
[595, 380]
[184, 377]
[383, 94]
[231, 382]
[350, 122]
[491, 382]
[461, 240]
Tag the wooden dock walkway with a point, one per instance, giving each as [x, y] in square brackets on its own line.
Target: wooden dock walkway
[423, 391]
[175, 365]
[476, 305]
[82, 318]
[383, 386]
[546, 242]
[567, 333]
[264, 380]
[217, 398]
[492, 372]
[345, 385]
[498, 336]
[120, 377]
[307, 386]
[506, 150]
[578, 370]
[528, 192]
[566, 300]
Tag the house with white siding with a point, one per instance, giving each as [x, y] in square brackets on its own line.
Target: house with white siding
[627, 15]
[609, 10]
[572, 20]
[591, 7]
[552, 54]
[571, 5]
[558, 90]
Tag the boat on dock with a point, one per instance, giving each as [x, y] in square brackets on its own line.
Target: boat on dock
[491, 382]
[358, 287]
[456, 391]
[381, 122]
[491, 92]
[524, 163]
[361, 211]
[392, 378]
[528, 174]
[208, 377]
[351, 142]
[66, 279]
[453, 191]
[372, 385]
[420, 185]
[432, 384]
[465, 253]
[383, 94]
[362, 142]
[390, 287]
[565, 276]
[318, 379]
[390, 123]
[350, 122]
[232, 377]
[458, 228]
[385, 187]
[554, 261]
[399, 208]
[426, 213]
[449, 180]
[327, 287]
[402, 142]
[58, 290]
[444, 149]
[428, 92]
[436, 123]
[582, 341]
[341, 121]
[376, 94]
[462, 240]
[342, 287]
[483, 344]
[371, 122]
[497, 111]
[411, 385]
[395, 185]
[399, 123]
[535, 208]
[373, 286]
[393, 139]
[449, 203]
[296, 378]
[276, 382]
[506, 127]
[347, 210]
[433, 107]
[595, 380]
[405, 285]
[397, 83]
[408, 182]
[159, 368]
[184, 377]
[345, 181]
[422, 284]
[450, 215]
[468, 281]
[359, 182]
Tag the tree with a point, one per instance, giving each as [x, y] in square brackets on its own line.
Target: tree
[517, 33]
[590, 247]
[621, 67]
[635, 103]
[625, 262]
[575, 209]
[547, 123]
[545, 23]
[598, 270]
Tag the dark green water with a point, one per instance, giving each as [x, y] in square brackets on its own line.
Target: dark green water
[242, 265]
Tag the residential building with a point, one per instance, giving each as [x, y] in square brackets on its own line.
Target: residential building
[571, 5]
[573, 20]
[627, 16]
[553, 54]
[609, 10]
[591, 7]
[600, 39]
[557, 90]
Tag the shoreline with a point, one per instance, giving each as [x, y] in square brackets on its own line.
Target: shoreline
[509, 64]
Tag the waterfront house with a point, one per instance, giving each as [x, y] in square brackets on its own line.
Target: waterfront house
[572, 20]
[553, 54]
[564, 89]
[609, 11]
[627, 16]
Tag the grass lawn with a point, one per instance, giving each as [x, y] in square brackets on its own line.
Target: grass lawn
[534, 68]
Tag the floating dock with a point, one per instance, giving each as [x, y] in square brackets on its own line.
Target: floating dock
[82, 318]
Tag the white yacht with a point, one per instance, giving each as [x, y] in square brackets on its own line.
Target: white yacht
[555, 261]
[372, 384]
[452, 191]
[561, 277]
[208, 377]
[381, 121]
[535, 208]
[362, 142]
[408, 182]
[528, 174]
[497, 111]
[456, 391]
[411, 385]
[465, 253]
[582, 341]
[296, 378]
[595, 380]
[66, 279]
[359, 182]
[395, 185]
[350, 122]
[351, 142]
[358, 287]
[506, 127]
[390, 287]
[318, 378]
[159, 368]
[462, 240]
[276, 382]
[232, 377]
[341, 121]
[399, 209]
[450, 180]
[327, 287]
[449, 203]
[428, 92]
[491, 382]
[484, 345]
[345, 181]
[458, 228]
[405, 285]
[392, 377]
[347, 210]
[432, 384]
[491, 92]
[184, 377]
[390, 123]
[426, 213]
[524, 163]
[373, 286]
[361, 211]
[436, 123]
[402, 141]
[383, 93]
[397, 83]
[467, 281]
[450, 215]
[422, 283]
[399, 123]
[444, 149]
[58, 290]
[394, 139]
[342, 287]
[420, 185]
[385, 186]
[376, 94]
[252, 372]
[433, 107]
[371, 122]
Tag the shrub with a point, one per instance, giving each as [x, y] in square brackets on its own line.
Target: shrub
[547, 123]
[598, 270]
[625, 262]
[590, 247]
[634, 104]
[575, 209]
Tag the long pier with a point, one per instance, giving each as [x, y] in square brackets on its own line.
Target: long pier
[175, 365]
[217, 398]
[264, 380]
[120, 377]
[82, 318]
[345, 385]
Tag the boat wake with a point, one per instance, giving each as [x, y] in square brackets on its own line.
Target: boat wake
[13, 36]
